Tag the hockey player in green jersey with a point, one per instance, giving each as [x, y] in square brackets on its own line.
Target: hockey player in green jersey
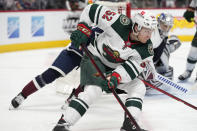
[122, 52]
[189, 15]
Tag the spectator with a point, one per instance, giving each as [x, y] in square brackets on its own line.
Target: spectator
[170, 3]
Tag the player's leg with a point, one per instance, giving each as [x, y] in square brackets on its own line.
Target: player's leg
[78, 107]
[191, 60]
[64, 63]
[190, 65]
[136, 91]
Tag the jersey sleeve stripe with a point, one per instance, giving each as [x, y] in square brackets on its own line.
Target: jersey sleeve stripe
[135, 70]
[97, 18]
[133, 64]
[130, 70]
[92, 11]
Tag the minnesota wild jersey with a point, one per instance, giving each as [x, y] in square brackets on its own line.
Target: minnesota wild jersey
[114, 46]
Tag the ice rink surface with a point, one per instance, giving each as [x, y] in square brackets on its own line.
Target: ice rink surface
[41, 111]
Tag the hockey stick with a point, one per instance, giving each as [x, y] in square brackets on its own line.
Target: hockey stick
[168, 94]
[170, 83]
[112, 89]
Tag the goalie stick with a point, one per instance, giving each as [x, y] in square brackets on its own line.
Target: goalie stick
[113, 91]
[168, 94]
[170, 83]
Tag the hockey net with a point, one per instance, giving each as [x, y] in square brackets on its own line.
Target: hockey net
[66, 84]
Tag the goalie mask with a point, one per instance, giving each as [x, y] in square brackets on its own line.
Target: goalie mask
[144, 19]
[165, 23]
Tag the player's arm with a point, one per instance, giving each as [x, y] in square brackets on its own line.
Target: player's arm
[92, 15]
[98, 15]
[189, 13]
[130, 69]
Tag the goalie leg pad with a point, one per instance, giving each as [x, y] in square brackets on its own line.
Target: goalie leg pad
[169, 73]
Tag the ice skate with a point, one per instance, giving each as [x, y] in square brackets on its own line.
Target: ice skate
[62, 125]
[185, 75]
[128, 126]
[17, 101]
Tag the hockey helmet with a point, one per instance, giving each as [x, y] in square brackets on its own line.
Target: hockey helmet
[165, 23]
[144, 19]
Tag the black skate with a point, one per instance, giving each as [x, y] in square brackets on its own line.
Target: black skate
[62, 125]
[185, 75]
[17, 101]
[128, 126]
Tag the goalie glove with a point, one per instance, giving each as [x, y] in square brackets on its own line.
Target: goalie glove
[81, 35]
[189, 14]
[173, 43]
[113, 80]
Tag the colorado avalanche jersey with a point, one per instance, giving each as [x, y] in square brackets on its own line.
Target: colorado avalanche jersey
[114, 46]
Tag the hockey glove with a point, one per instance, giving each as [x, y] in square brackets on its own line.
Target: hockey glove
[81, 35]
[189, 14]
[113, 80]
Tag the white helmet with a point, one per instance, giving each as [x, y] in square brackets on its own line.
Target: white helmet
[144, 19]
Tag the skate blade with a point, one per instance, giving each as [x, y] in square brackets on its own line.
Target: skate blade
[12, 108]
[64, 107]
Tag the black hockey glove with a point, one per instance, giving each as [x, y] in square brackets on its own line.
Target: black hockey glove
[113, 80]
[189, 14]
[81, 35]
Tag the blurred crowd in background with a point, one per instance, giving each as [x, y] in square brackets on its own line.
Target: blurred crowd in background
[60, 4]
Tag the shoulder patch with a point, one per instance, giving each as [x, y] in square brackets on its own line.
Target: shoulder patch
[124, 20]
[150, 49]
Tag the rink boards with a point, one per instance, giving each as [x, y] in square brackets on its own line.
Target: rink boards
[23, 30]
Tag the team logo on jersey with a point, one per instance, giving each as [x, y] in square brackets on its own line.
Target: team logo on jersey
[111, 55]
[150, 49]
[124, 20]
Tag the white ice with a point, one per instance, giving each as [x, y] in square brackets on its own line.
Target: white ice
[41, 111]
